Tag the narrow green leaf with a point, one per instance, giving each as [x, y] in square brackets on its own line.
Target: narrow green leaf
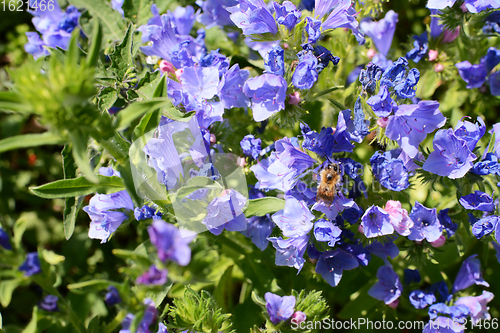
[73, 54]
[326, 91]
[67, 188]
[339, 105]
[122, 58]
[7, 287]
[79, 141]
[161, 88]
[71, 208]
[223, 294]
[95, 45]
[29, 140]
[126, 174]
[10, 101]
[263, 206]
[97, 284]
[149, 122]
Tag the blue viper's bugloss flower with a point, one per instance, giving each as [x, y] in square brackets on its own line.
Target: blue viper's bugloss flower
[411, 276]
[267, 93]
[388, 287]
[324, 57]
[200, 82]
[149, 316]
[451, 156]
[275, 61]
[457, 312]
[326, 231]
[395, 74]
[214, 12]
[420, 48]
[491, 59]
[251, 146]
[146, 212]
[287, 14]
[226, 212]
[35, 45]
[305, 74]
[382, 103]
[425, 224]
[473, 6]
[492, 23]
[49, 303]
[331, 265]
[103, 210]
[474, 75]
[295, 219]
[183, 19]
[112, 297]
[477, 305]
[169, 242]
[253, 17]
[449, 226]
[478, 201]
[31, 265]
[407, 87]
[485, 226]
[376, 222]
[259, 228]
[313, 29]
[4, 240]
[290, 252]
[410, 125]
[369, 77]
[469, 132]
[469, 274]
[421, 299]
[230, 88]
[441, 290]
[341, 14]
[117, 5]
[279, 308]
[383, 250]
[381, 32]
[390, 172]
[153, 276]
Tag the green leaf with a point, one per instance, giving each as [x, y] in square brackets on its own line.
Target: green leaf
[94, 325]
[7, 287]
[32, 326]
[148, 84]
[71, 208]
[79, 141]
[223, 294]
[339, 105]
[95, 45]
[122, 58]
[106, 98]
[197, 183]
[263, 206]
[149, 122]
[67, 188]
[161, 88]
[326, 91]
[10, 101]
[73, 54]
[29, 140]
[97, 284]
[138, 11]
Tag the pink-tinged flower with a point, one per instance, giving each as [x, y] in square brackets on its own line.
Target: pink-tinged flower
[433, 54]
[477, 305]
[439, 242]
[294, 98]
[382, 122]
[399, 217]
[298, 317]
[166, 67]
[439, 67]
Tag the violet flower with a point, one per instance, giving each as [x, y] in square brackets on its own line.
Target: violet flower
[388, 288]
[469, 274]
[279, 308]
[169, 243]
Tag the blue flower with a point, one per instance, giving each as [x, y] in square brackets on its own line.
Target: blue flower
[331, 265]
[251, 146]
[170, 243]
[313, 29]
[411, 276]
[369, 77]
[117, 5]
[35, 45]
[381, 32]
[382, 103]
[451, 156]
[214, 12]
[421, 47]
[443, 293]
[226, 212]
[295, 219]
[267, 93]
[410, 125]
[153, 276]
[458, 312]
[388, 288]
[112, 297]
[390, 172]
[305, 74]
[287, 14]
[474, 75]
[275, 61]
[449, 226]
[485, 226]
[290, 252]
[469, 132]
[253, 17]
[323, 55]
[200, 82]
[469, 274]
[494, 81]
[279, 308]
[477, 305]
[407, 88]
[183, 18]
[230, 90]
[478, 201]
[146, 212]
[4, 240]
[259, 228]
[49, 303]
[395, 74]
[426, 224]
[149, 316]
[475, 6]
[340, 15]
[376, 222]
[326, 231]
[383, 250]
[421, 299]
[31, 265]
[492, 23]
[443, 324]
[487, 166]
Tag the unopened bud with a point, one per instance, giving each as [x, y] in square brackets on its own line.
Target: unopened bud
[298, 317]
[294, 98]
[241, 161]
[433, 54]
[166, 67]
[439, 242]
[382, 122]
[438, 67]
[394, 304]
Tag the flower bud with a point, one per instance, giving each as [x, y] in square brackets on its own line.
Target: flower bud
[298, 317]
[439, 242]
[294, 98]
[433, 54]
[382, 122]
[166, 67]
[438, 67]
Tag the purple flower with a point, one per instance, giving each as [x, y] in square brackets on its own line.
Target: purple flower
[230, 88]
[117, 5]
[267, 93]
[421, 299]
[290, 252]
[112, 297]
[369, 77]
[478, 201]
[394, 74]
[381, 32]
[200, 82]
[259, 228]
[443, 324]
[149, 316]
[214, 12]
[4, 240]
[35, 45]
[326, 231]
[324, 57]
[305, 74]
[449, 226]
[382, 103]
[251, 146]
[153, 276]
[475, 6]
[407, 87]
[421, 47]
[31, 265]
[376, 222]
[295, 219]
[474, 75]
[443, 293]
[146, 212]
[169, 242]
[477, 305]
[275, 61]
[388, 288]
[487, 166]
[331, 265]
[313, 29]
[340, 15]
[287, 14]
[411, 123]
[253, 17]
[183, 18]
[469, 274]
[495, 83]
[383, 250]
[49, 303]
[451, 156]
[470, 133]
[390, 172]
[226, 212]
[279, 308]
[426, 224]
[411, 276]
